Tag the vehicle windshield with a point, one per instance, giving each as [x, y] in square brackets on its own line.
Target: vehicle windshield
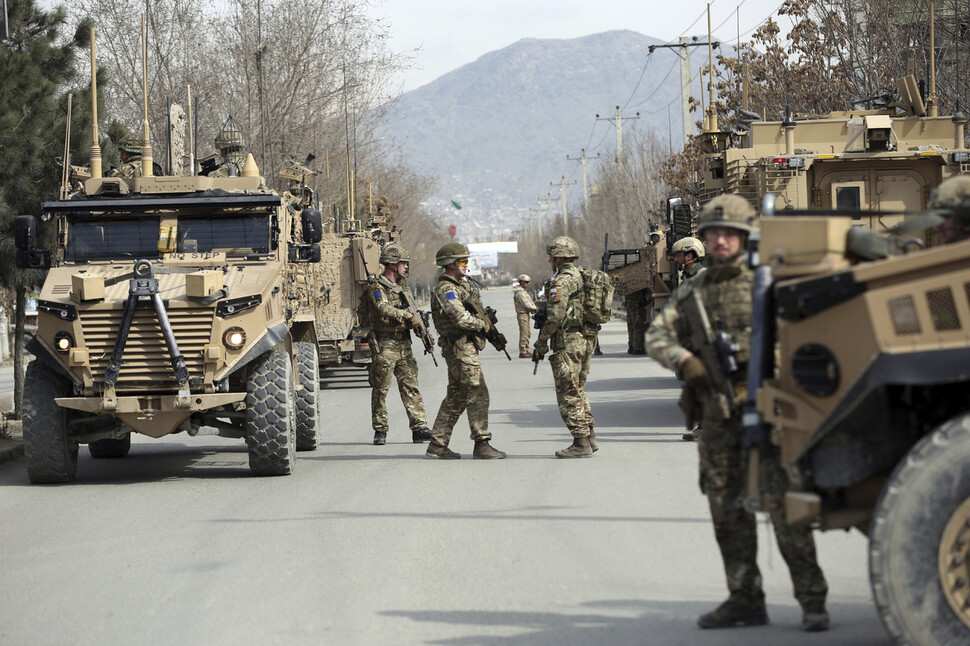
[91, 237]
[236, 235]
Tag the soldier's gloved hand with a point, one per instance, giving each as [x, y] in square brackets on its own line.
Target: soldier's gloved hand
[694, 373]
[499, 342]
[541, 348]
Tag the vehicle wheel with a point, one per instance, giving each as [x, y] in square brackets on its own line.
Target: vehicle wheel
[270, 418]
[920, 535]
[110, 448]
[307, 416]
[50, 454]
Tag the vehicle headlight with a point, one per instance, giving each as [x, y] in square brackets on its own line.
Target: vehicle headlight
[234, 338]
[63, 342]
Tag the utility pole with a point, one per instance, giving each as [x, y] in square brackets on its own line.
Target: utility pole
[585, 176]
[565, 212]
[684, 56]
[618, 122]
[548, 208]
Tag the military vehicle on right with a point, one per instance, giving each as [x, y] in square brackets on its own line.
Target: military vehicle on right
[869, 407]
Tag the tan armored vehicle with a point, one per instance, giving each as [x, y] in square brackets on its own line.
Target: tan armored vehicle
[886, 160]
[169, 307]
[868, 406]
[651, 267]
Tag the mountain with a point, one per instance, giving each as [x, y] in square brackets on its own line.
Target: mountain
[497, 131]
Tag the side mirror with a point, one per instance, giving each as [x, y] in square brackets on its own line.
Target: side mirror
[304, 253]
[312, 226]
[25, 238]
[25, 232]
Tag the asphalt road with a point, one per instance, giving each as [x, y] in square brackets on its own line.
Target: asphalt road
[177, 544]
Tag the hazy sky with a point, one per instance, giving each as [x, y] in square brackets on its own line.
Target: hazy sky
[443, 35]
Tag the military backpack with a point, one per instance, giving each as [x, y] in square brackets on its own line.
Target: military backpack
[597, 296]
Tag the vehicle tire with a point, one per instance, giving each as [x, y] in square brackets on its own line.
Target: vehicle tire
[50, 454]
[110, 448]
[307, 415]
[919, 540]
[270, 416]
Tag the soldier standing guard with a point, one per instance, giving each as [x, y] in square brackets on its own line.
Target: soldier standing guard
[461, 338]
[523, 308]
[572, 342]
[392, 324]
[725, 292]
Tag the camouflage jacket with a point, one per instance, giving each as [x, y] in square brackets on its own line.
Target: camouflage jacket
[129, 170]
[692, 273]
[451, 319]
[523, 302]
[725, 291]
[388, 303]
[564, 312]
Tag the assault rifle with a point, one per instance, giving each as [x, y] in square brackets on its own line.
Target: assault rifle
[420, 321]
[540, 319]
[489, 316]
[715, 350]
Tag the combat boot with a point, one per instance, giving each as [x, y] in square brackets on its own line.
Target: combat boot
[485, 451]
[692, 436]
[731, 614]
[441, 452]
[592, 440]
[578, 449]
[380, 438]
[420, 435]
[815, 619]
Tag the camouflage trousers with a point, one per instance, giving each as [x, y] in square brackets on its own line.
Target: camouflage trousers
[570, 366]
[395, 360]
[525, 333]
[466, 391]
[722, 478]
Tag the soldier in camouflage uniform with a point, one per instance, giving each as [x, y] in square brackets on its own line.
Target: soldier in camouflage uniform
[130, 149]
[688, 256]
[725, 290]
[950, 201]
[392, 325]
[572, 343]
[523, 308]
[461, 338]
[229, 142]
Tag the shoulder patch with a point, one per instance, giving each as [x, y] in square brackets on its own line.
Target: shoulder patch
[450, 295]
[378, 294]
[554, 295]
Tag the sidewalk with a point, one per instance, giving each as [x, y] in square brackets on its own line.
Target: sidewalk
[12, 444]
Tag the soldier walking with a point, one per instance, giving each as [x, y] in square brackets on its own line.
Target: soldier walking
[461, 337]
[523, 308]
[392, 356]
[725, 291]
[572, 343]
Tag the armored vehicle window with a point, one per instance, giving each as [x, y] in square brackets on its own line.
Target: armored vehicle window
[236, 235]
[93, 238]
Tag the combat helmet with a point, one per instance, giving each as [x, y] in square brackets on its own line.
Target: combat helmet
[689, 244]
[131, 144]
[563, 247]
[729, 212]
[953, 196]
[524, 278]
[393, 253]
[451, 252]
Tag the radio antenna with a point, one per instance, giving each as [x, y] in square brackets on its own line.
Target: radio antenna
[146, 149]
[66, 169]
[95, 148]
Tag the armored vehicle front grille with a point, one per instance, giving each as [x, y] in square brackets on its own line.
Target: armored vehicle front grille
[146, 364]
[943, 309]
[903, 312]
